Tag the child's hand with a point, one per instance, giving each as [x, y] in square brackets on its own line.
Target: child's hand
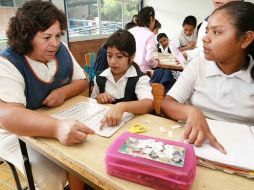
[105, 98]
[197, 130]
[70, 132]
[55, 98]
[113, 116]
[191, 45]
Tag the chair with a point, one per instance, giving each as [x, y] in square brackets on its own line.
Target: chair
[89, 69]
[158, 94]
[15, 174]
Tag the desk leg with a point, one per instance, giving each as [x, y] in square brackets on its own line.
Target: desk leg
[27, 166]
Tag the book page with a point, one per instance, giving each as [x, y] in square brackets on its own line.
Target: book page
[165, 58]
[238, 141]
[91, 114]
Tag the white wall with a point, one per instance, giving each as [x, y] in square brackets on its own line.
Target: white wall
[171, 13]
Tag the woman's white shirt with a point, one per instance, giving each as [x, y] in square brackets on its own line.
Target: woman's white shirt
[12, 84]
[221, 97]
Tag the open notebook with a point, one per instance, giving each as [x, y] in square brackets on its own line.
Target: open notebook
[238, 140]
[91, 114]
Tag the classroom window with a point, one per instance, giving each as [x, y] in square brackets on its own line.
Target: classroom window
[98, 17]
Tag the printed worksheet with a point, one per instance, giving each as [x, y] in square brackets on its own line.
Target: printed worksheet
[91, 114]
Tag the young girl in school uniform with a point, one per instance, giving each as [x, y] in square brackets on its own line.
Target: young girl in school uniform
[221, 85]
[122, 84]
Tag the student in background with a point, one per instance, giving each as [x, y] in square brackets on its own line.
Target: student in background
[188, 36]
[221, 85]
[163, 76]
[145, 39]
[122, 84]
[101, 62]
[163, 40]
[191, 54]
[38, 70]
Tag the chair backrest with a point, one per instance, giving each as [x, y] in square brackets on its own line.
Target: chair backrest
[158, 94]
[89, 62]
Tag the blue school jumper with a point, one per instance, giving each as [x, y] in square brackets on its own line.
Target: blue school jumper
[35, 89]
[101, 62]
[129, 93]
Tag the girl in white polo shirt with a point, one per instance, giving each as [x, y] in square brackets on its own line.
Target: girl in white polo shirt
[122, 84]
[219, 86]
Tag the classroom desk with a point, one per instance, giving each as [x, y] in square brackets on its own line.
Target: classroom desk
[167, 61]
[87, 159]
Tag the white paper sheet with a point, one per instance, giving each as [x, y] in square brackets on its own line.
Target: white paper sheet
[91, 114]
[238, 141]
[177, 54]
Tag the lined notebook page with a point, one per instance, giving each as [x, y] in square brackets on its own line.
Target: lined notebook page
[91, 114]
[237, 139]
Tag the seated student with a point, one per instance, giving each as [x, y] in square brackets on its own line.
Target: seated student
[38, 70]
[101, 62]
[145, 40]
[165, 77]
[122, 84]
[188, 36]
[221, 85]
[162, 38]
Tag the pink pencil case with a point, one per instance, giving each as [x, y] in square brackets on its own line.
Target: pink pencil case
[157, 163]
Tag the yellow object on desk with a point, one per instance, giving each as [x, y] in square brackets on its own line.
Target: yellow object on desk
[138, 128]
[93, 170]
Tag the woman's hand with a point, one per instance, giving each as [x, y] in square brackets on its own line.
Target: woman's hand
[70, 132]
[55, 98]
[113, 116]
[105, 98]
[197, 130]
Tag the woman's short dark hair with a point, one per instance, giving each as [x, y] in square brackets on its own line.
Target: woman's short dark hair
[241, 16]
[32, 17]
[144, 16]
[122, 40]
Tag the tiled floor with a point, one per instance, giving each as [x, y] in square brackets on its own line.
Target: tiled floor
[6, 179]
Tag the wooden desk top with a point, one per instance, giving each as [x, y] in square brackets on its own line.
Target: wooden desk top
[167, 61]
[87, 159]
